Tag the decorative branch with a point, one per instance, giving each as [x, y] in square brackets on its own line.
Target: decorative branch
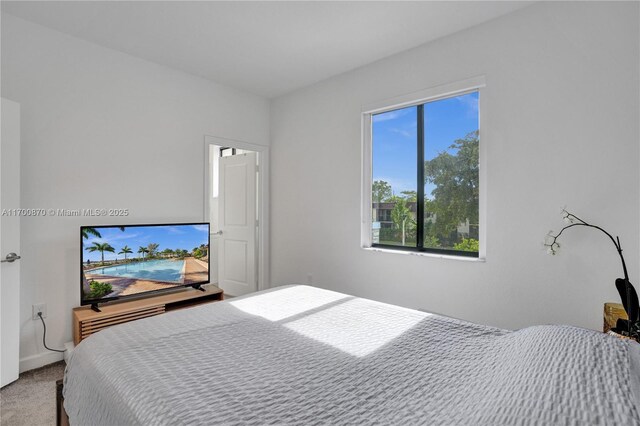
[551, 241]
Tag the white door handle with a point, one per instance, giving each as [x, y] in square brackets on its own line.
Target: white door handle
[218, 233]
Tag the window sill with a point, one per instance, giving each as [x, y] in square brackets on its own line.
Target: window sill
[425, 254]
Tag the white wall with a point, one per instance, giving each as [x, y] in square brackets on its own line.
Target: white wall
[104, 129]
[561, 129]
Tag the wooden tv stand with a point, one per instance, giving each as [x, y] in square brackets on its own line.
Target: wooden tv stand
[87, 321]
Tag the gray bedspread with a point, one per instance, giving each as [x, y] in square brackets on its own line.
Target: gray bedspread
[305, 356]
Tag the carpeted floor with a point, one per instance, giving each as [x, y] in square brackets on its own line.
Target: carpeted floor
[31, 400]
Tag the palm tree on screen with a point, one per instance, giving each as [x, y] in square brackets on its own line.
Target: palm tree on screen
[125, 250]
[101, 247]
[152, 249]
[143, 251]
[86, 232]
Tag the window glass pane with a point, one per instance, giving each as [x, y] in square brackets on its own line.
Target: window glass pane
[394, 138]
[451, 173]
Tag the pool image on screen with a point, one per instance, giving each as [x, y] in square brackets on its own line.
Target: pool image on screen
[120, 261]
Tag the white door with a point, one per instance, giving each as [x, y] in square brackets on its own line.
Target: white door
[9, 242]
[237, 258]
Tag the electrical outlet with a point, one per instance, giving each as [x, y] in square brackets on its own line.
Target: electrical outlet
[309, 278]
[40, 307]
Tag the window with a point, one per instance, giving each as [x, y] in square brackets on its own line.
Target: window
[384, 215]
[425, 181]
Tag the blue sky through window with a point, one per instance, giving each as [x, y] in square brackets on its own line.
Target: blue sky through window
[185, 237]
[394, 138]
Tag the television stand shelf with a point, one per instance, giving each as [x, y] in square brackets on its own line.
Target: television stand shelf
[87, 321]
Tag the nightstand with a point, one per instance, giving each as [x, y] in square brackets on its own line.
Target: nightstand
[613, 312]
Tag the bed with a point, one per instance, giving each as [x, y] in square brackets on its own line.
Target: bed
[306, 356]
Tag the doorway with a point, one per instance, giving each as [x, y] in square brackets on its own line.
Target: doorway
[236, 194]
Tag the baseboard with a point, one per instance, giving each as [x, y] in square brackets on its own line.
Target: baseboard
[39, 360]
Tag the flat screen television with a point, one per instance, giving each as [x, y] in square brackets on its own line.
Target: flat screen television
[127, 261]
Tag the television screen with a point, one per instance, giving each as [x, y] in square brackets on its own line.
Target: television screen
[132, 260]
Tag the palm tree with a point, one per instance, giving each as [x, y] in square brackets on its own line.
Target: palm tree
[152, 249]
[401, 216]
[143, 251]
[101, 247]
[90, 231]
[86, 232]
[125, 250]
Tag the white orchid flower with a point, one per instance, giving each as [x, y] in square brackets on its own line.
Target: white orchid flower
[549, 238]
[567, 217]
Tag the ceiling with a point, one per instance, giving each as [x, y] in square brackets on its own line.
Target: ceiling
[267, 48]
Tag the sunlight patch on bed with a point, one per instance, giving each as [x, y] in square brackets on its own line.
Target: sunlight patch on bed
[287, 302]
[357, 327]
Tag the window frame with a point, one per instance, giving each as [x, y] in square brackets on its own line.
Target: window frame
[419, 98]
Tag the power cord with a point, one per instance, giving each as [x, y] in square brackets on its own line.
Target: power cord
[44, 335]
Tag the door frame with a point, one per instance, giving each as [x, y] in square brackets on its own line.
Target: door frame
[10, 318]
[263, 199]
